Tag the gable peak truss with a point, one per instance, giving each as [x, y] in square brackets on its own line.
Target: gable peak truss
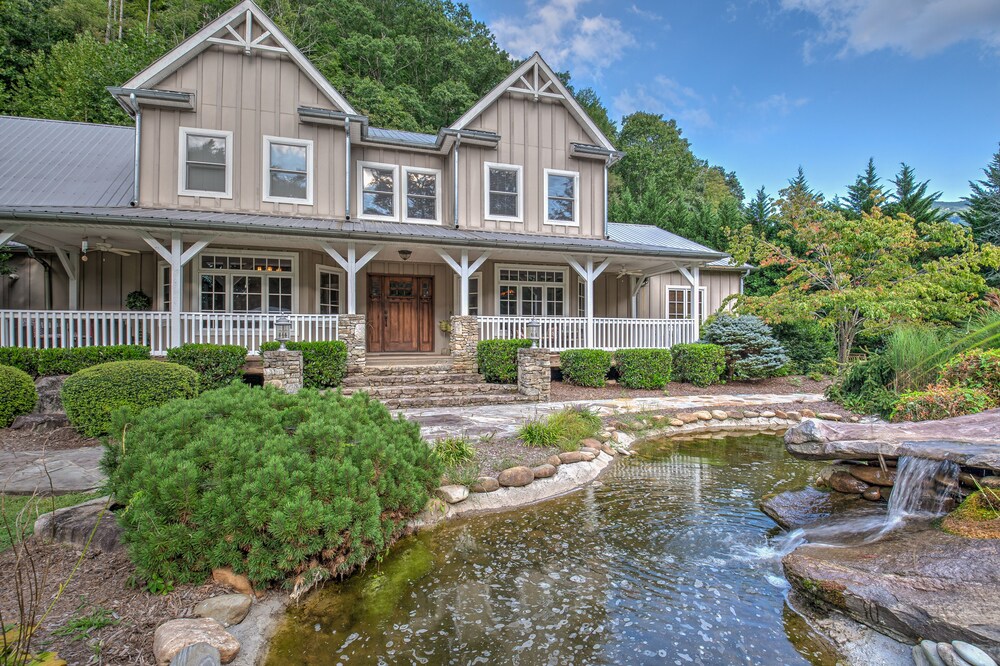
[240, 33]
[536, 83]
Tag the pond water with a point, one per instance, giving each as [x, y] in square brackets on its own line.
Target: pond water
[663, 562]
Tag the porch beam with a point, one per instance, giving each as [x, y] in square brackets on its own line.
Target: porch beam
[157, 247]
[10, 233]
[589, 273]
[464, 270]
[351, 265]
[70, 261]
[193, 251]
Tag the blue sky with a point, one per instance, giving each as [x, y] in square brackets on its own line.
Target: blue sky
[762, 86]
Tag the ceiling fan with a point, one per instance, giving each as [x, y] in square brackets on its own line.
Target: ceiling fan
[624, 271]
[104, 246]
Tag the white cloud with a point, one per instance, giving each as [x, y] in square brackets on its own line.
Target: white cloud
[565, 37]
[667, 97]
[644, 14]
[914, 27]
[780, 104]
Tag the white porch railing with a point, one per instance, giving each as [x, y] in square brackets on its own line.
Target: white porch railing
[560, 333]
[252, 330]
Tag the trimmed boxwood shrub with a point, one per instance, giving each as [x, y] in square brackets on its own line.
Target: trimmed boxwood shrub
[497, 359]
[940, 402]
[216, 365]
[585, 367]
[93, 394]
[324, 364]
[975, 369]
[644, 368]
[22, 358]
[698, 363]
[270, 484]
[17, 394]
[68, 361]
[751, 349]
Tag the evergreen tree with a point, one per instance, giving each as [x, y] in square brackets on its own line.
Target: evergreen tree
[911, 198]
[865, 193]
[983, 213]
[797, 198]
[760, 213]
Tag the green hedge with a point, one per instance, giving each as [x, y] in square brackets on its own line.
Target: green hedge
[267, 483]
[68, 361]
[93, 394]
[585, 367]
[324, 364]
[497, 359]
[216, 365]
[22, 358]
[940, 402]
[17, 394]
[699, 364]
[644, 368]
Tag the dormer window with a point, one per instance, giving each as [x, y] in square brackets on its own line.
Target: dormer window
[288, 170]
[421, 195]
[503, 191]
[562, 197]
[378, 191]
[206, 163]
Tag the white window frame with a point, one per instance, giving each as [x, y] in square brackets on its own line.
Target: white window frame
[182, 161]
[404, 211]
[486, 192]
[575, 222]
[565, 284]
[703, 292]
[308, 145]
[320, 269]
[229, 273]
[361, 191]
[162, 286]
[478, 275]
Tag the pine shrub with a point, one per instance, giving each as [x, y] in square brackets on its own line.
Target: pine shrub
[17, 394]
[216, 365]
[22, 358]
[940, 402]
[497, 359]
[698, 363]
[975, 369]
[92, 395]
[644, 368]
[324, 364]
[751, 349]
[74, 359]
[267, 483]
[585, 367]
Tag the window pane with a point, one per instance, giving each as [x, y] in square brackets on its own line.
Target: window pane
[206, 178]
[288, 185]
[561, 186]
[503, 204]
[377, 180]
[288, 158]
[378, 204]
[421, 208]
[210, 149]
[561, 210]
[421, 183]
[503, 180]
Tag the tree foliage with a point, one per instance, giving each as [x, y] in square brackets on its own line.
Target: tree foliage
[911, 197]
[983, 213]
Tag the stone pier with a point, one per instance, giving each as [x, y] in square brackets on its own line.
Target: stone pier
[283, 370]
[534, 373]
[462, 343]
[351, 330]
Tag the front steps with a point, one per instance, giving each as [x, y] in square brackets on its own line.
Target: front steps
[437, 385]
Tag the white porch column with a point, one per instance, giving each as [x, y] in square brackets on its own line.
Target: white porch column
[693, 276]
[351, 266]
[177, 257]
[464, 270]
[589, 274]
[70, 260]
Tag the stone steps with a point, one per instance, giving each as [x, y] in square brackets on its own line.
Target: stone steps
[430, 369]
[411, 379]
[455, 401]
[433, 390]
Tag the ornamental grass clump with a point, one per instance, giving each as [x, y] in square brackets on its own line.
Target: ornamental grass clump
[752, 352]
[270, 484]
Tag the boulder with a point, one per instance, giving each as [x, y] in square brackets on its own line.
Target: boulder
[75, 524]
[930, 652]
[226, 576]
[687, 418]
[703, 415]
[798, 508]
[40, 422]
[719, 415]
[780, 414]
[199, 654]
[767, 414]
[844, 482]
[973, 654]
[949, 656]
[795, 416]
[515, 477]
[592, 443]
[675, 423]
[452, 493]
[226, 609]
[873, 475]
[49, 389]
[568, 457]
[829, 416]
[751, 415]
[543, 471]
[590, 449]
[872, 493]
[173, 636]
[808, 413]
[485, 484]
[555, 461]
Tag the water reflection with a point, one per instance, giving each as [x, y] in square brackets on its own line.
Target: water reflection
[657, 565]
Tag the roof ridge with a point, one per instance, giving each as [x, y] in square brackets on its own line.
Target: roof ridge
[67, 122]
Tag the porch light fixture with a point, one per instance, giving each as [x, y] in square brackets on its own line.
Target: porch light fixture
[533, 329]
[282, 331]
[405, 254]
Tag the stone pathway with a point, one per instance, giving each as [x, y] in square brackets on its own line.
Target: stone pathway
[51, 472]
[504, 420]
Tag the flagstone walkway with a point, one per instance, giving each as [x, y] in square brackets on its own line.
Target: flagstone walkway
[56, 472]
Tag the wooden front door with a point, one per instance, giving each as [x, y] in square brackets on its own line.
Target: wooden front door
[400, 313]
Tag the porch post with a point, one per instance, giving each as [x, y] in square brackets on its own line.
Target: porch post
[464, 270]
[70, 261]
[589, 275]
[177, 257]
[351, 266]
[693, 276]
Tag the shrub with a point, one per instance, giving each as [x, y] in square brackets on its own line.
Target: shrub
[93, 394]
[644, 368]
[810, 345]
[17, 394]
[975, 369]
[585, 367]
[497, 359]
[751, 350]
[22, 358]
[864, 388]
[216, 365]
[324, 364]
[940, 402]
[698, 363]
[68, 361]
[453, 451]
[267, 483]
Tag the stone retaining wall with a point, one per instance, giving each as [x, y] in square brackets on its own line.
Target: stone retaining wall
[534, 373]
[283, 370]
[351, 330]
[462, 343]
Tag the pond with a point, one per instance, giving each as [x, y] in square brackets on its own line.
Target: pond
[661, 562]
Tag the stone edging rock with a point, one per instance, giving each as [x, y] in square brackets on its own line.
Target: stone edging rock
[717, 420]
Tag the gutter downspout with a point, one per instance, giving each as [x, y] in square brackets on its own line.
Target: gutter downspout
[347, 168]
[606, 163]
[138, 139]
[454, 166]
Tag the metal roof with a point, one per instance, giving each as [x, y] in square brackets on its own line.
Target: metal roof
[58, 163]
[400, 135]
[647, 234]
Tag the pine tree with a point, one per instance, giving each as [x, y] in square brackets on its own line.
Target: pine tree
[865, 193]
[983, 213]
[760, 213]
[911, 198]
[794, 200]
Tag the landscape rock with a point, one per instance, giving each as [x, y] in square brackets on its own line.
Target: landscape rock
[798, 508]
[604, 447]
[929, 648]
[949, 656]
[751, 415]
[973, 654]
[49, 389]
[592, 443]
[687, 418]
[844, 482]
[40, 422]
[590, 449]
[452, 493]
[226, 576]
[795, 416]
[486, 484]
[624, 439]
[676, 423]
[719, 415]
[767, 414]
[515, 477]
[555, 461]
[568, 457]
[173, 636]
[543, 471]
[829, 416]
[873, 475]
[588, 455]
[780, 414]
[872, 493]
[433, 512]
[808, 413]
[703, 416]
[75, 524]
[199, 654]
[226, 609]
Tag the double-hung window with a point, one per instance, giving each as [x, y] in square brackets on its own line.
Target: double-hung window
[206, 163]
[328, 283]
[562, 197]
[679, 303]
[379, 193]
[503, 190]
[421, 202]
[530, 292]
[288, 170]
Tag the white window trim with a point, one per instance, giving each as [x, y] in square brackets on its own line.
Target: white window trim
[687, 301]
[308, 144]
[196, 287]
[529, 267]
[486, 192]
[320, 268]
[158, 302]
[182, 187]
[361, 191]
[576, 198]
[478, 275]
[406, 193]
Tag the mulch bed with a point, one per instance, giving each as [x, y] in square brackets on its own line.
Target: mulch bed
[563, 391]
[52, 440]
[497, 454]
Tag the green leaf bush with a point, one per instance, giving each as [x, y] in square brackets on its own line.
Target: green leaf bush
[975, 369]
[698, 363]
[68, 361]
[940, 402]
[324, 364]
[17, 394]
[644, 368]
[810, 345]
[752, 352]
[497, 359]
[22, 358]
[92, 395]
[267, 483]
[585, 367]
[216, 365]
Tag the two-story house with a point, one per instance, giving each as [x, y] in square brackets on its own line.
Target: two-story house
[249, 188]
